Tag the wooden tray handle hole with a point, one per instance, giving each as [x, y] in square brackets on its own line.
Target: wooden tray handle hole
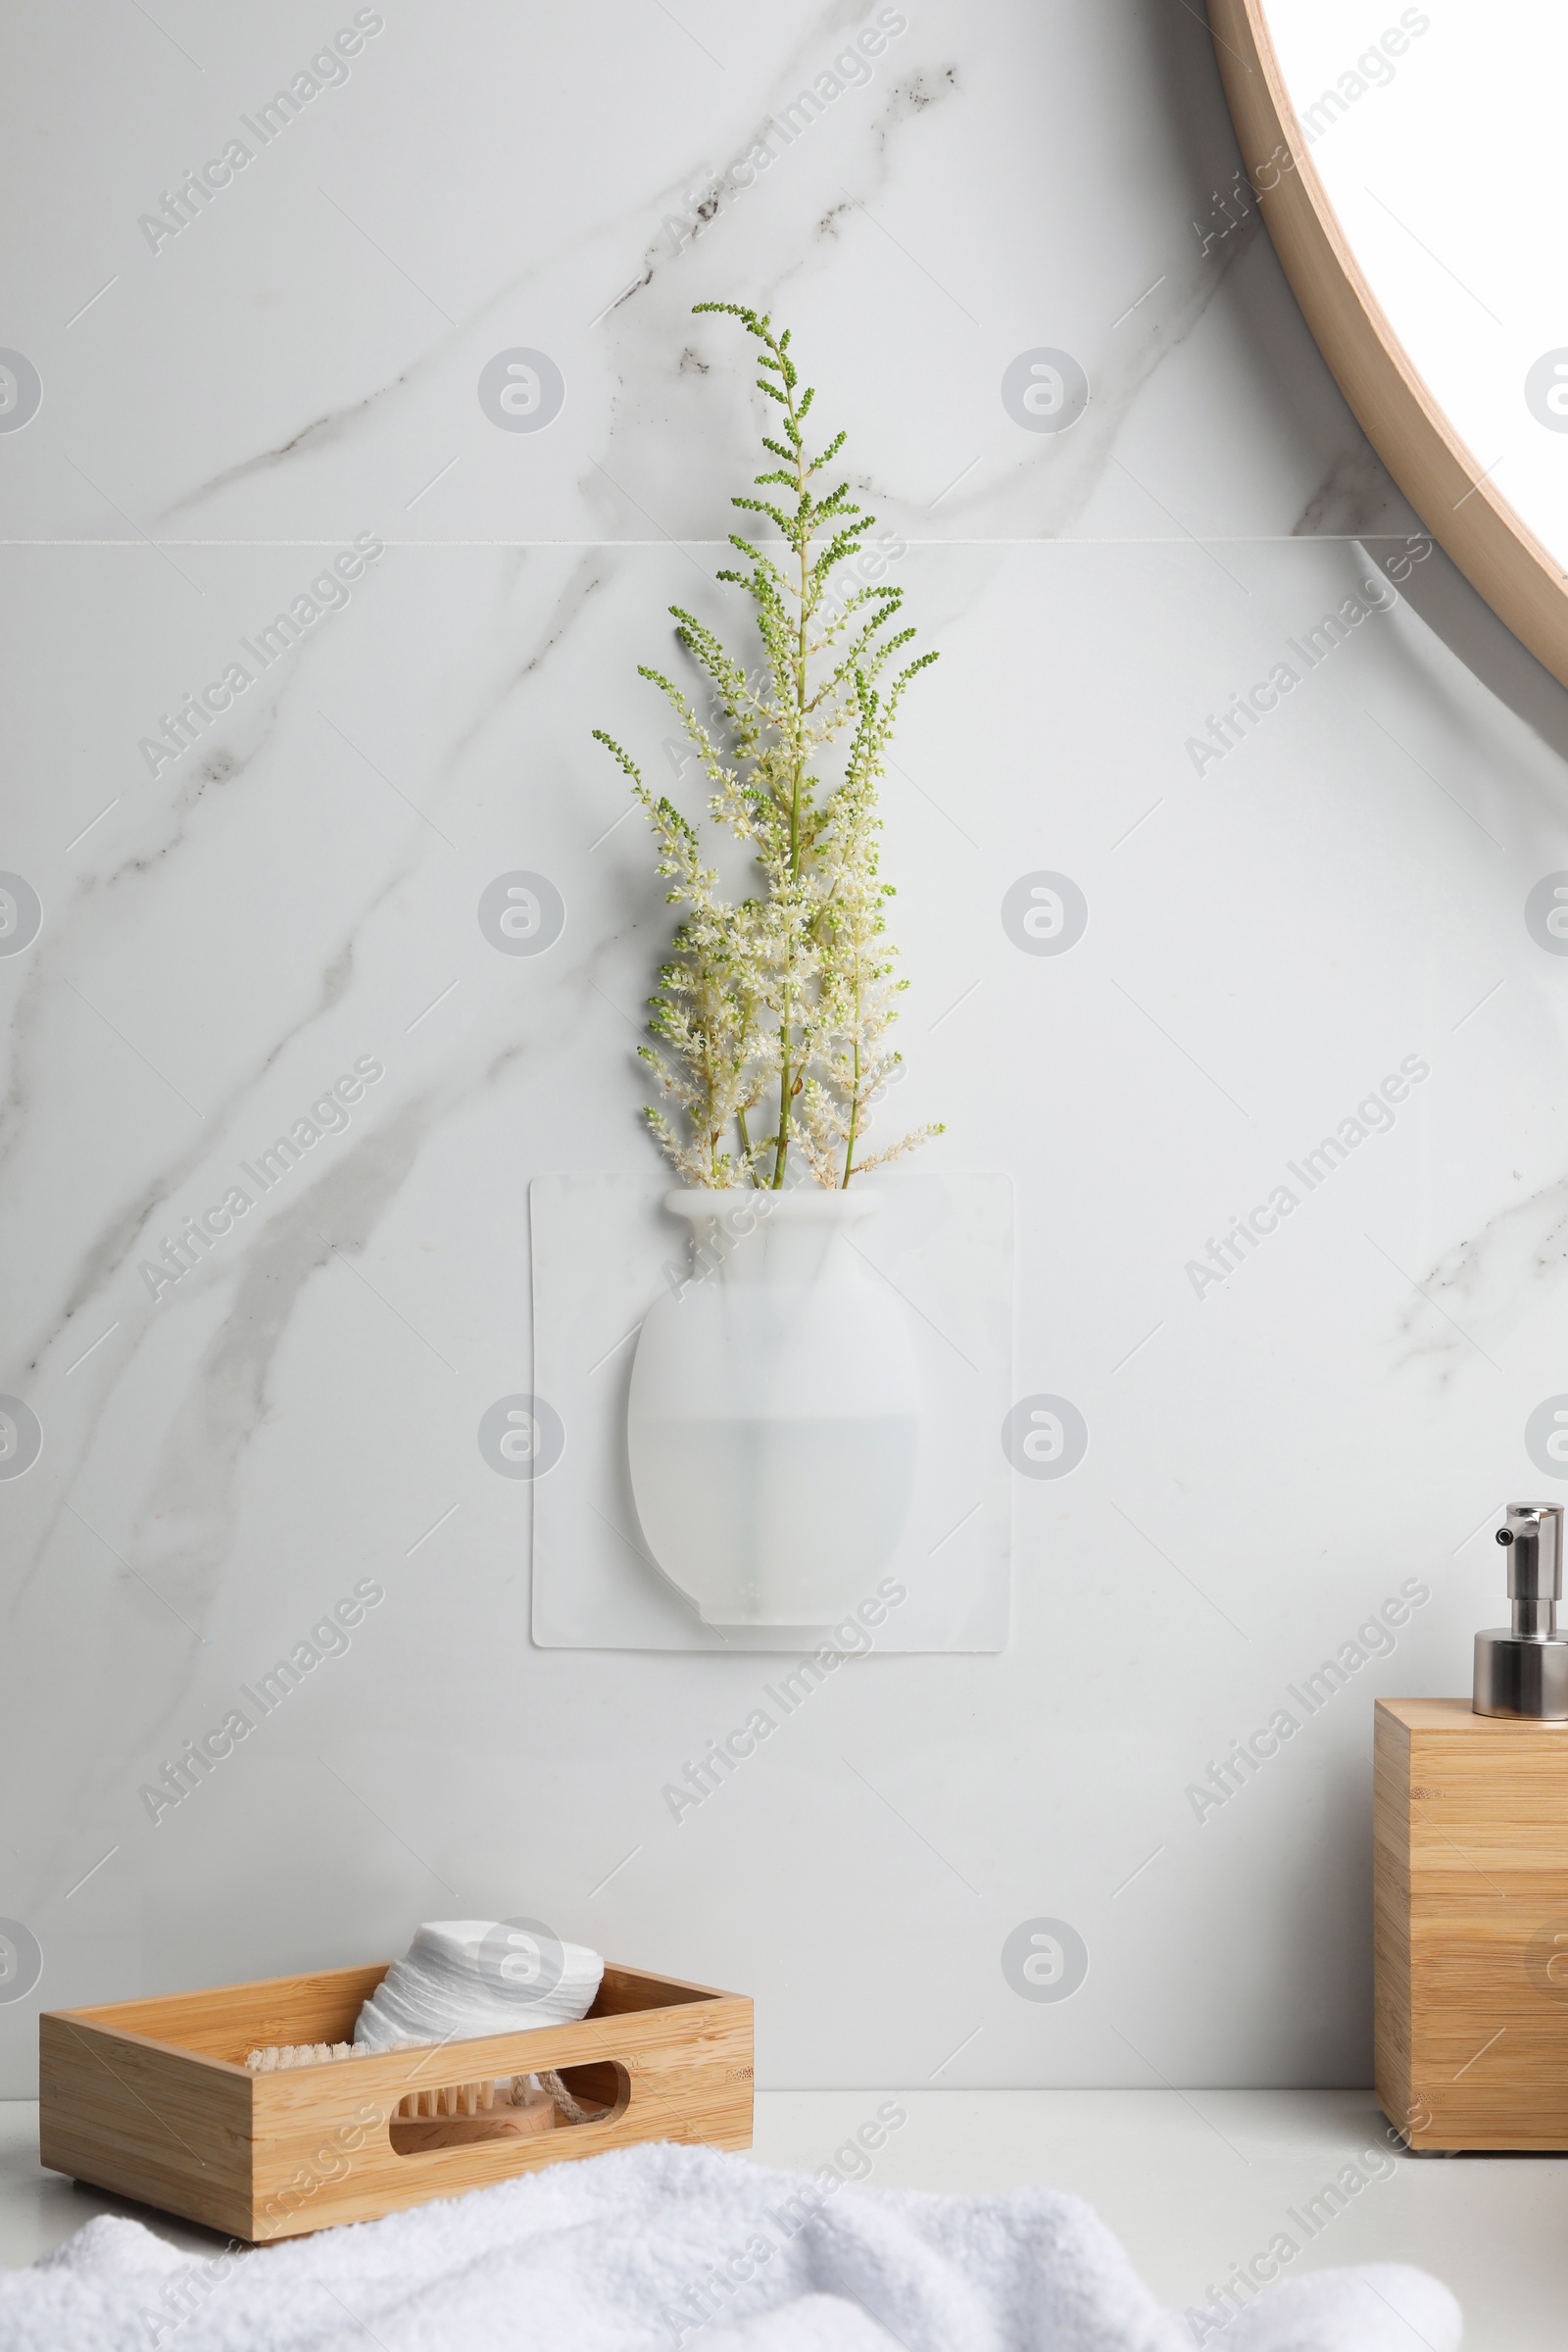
[461, 2115]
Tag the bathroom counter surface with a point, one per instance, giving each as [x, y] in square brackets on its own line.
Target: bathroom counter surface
[1194, 2184]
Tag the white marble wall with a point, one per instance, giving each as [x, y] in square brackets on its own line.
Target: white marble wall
[1268, 939]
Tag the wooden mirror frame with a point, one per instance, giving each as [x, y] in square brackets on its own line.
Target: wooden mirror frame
[1492, 546]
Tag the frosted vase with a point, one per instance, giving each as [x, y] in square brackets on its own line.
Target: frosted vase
[774, 1416]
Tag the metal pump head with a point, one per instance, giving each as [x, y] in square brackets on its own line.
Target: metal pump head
[1532, 1534]
[1522, 1669]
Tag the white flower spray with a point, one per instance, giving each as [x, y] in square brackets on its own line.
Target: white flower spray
[787, 995]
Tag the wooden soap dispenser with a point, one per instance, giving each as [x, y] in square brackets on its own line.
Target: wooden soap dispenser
[1470, 1879]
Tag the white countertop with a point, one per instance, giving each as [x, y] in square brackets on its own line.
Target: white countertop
[1193, 2183]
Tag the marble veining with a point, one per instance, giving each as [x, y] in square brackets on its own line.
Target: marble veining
[300, 889]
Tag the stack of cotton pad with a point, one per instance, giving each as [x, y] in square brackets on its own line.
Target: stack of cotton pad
[462, 1979]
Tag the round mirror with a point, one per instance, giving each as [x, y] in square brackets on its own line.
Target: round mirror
[1406, 160]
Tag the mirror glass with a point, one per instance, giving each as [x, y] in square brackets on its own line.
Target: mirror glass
[1438, 136]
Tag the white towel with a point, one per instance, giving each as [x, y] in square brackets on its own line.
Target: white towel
[1382, 2307]
[461, 1978]
[656, 2247]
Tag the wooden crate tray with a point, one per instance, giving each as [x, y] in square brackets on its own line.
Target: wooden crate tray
[153, 2098]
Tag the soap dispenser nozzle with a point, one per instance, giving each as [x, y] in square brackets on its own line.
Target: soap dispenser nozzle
[1522, 1669]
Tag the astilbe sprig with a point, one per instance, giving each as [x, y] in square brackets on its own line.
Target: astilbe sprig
[791, 989]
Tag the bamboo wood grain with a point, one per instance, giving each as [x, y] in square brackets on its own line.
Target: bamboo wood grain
[1469, 517]
[1470, 1886]
[152, 2100]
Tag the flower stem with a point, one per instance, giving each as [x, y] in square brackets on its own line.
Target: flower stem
[802, 543]
[855, 1113]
